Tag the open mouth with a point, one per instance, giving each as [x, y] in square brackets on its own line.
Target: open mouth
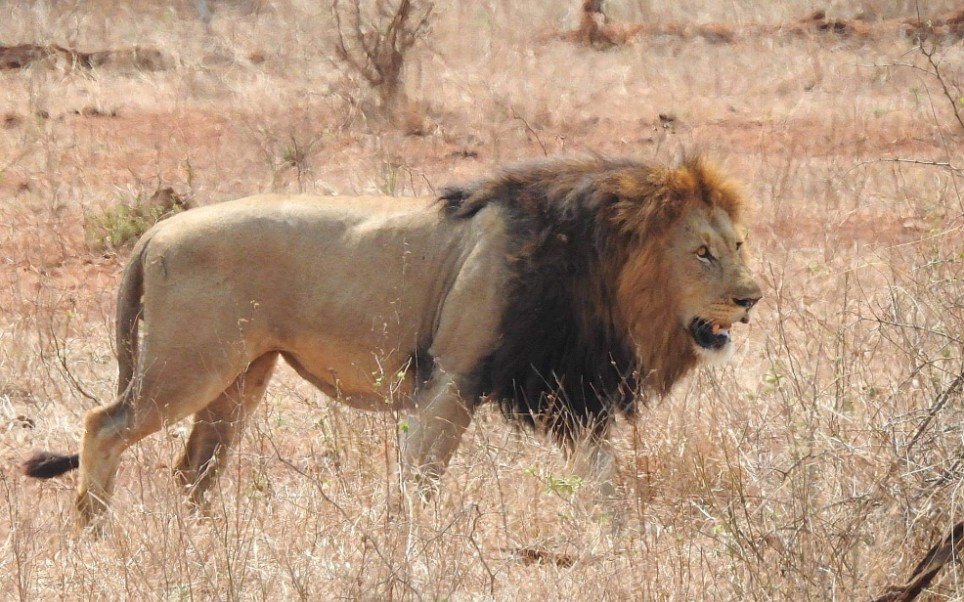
[710, 335]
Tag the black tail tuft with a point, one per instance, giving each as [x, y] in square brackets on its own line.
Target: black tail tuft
[45, 465]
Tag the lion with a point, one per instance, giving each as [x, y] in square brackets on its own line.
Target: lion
[567, 291]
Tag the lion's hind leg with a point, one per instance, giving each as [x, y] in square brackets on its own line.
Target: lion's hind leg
[108, 431]
[164, 393]
[216, 427]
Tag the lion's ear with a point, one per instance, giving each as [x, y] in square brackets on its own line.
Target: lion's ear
[646, 207]
[712, 186]
[609, 201]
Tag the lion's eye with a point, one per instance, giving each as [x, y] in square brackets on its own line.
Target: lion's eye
[704, 253]
[739, 245]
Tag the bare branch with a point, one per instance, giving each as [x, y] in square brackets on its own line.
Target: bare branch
[953, 389]
[374, 42]
[924, 29]
[942, 164]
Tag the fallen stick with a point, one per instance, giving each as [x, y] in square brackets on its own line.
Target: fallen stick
[927, 569]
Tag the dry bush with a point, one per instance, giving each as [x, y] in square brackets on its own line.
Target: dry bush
[112, 227]
[375, 38]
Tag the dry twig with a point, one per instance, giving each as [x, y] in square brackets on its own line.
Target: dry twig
[927, 569]
[924, 29]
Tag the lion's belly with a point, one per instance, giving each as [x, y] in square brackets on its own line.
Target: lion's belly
[368, 383]
[358, 338]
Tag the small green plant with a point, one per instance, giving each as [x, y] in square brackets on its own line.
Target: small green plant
[562, 485]
[558, 484]
[774, 376]
[114, 226]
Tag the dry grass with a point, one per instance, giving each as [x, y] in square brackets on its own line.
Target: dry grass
[820, 465]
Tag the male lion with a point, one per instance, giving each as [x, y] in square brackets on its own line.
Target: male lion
[562, 289]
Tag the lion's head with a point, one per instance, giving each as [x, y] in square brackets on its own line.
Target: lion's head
[717, 289]
[685, 281]
[627, 274]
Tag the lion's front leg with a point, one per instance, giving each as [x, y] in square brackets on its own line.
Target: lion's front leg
[594, 461]
[431, 433]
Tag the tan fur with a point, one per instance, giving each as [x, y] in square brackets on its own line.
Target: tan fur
[418, 307]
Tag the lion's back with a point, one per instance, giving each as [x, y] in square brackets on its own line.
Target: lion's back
[317, 273]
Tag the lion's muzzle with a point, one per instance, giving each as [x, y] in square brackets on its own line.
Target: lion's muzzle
[746, 296]
[710, 335]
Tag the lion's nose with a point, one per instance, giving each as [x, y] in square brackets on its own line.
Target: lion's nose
[746, 302]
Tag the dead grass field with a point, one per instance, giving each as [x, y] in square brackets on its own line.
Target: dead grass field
[820, 465]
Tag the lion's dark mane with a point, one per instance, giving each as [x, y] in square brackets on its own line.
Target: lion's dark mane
[561, 363]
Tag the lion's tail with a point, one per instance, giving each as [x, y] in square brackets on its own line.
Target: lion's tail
[46, 465]
[129, 310]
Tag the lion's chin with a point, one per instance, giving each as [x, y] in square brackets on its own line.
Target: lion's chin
[714, 357]
[711, 340]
